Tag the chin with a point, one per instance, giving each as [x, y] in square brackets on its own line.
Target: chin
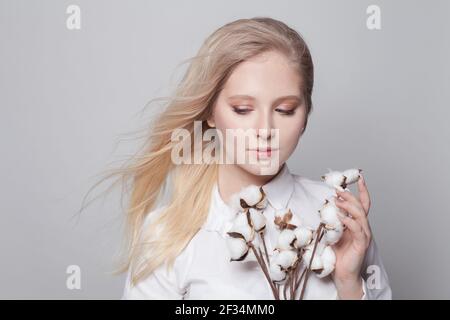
[262, 168]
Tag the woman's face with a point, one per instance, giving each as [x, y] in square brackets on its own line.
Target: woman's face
[261, 93]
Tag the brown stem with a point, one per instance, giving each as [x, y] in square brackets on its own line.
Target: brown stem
[300, 279]
[286, 283]
[318, 237]
[296, 272]
[266, 273]
[265, 248]
[293, 282]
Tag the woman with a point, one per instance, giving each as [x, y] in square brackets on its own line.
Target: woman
[249, 74]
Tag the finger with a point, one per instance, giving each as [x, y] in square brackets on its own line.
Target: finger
[356, 230]
[347, 195]
[356, 212]
[364, 196]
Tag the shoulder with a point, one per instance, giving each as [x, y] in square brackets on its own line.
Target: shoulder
[314, 188]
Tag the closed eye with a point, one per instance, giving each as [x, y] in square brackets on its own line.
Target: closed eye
[241, 110]
[286, 112]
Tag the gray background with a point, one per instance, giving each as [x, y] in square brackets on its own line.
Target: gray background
[67, 97]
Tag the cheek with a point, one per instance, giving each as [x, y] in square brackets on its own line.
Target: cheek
[225, 118]
[290, 134]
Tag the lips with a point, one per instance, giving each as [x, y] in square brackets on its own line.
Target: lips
[263, 153]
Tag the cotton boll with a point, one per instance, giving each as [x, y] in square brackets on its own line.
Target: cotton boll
[285, 258]
[332, 236]
[317, 261]
[237, 247]
[328, 258]
[352, 175]
[251, 195]
[276, 273]
[286, 239]
[262, 204]
[329, 214]
[241, 226]
[335, 179]
[258, 219]
[303, 237]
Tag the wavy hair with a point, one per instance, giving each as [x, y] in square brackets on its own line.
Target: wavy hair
[193, 100]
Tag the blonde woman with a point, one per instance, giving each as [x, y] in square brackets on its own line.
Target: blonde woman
[249, 74]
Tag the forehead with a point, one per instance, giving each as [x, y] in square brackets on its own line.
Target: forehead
[270, 73]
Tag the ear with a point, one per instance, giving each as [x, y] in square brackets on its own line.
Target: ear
[211, 123]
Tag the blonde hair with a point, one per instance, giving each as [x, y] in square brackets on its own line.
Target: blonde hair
[193, 100]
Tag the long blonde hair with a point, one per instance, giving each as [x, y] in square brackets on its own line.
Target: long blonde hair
[193, 100]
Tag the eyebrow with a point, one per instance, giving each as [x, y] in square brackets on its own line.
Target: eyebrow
[277, 100]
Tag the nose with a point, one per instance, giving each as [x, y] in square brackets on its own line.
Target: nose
[264, 129]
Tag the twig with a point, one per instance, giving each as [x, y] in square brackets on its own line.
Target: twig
[300, 279]
[318, 237]
[293, 282]
[286, 283]
[265, 248]
[266, 273]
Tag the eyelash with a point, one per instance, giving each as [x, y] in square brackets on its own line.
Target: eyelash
[244, 111]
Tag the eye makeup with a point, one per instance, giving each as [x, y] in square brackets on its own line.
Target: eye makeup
[242, 111]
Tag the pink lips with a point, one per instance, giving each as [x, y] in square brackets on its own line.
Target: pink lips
[263, 153]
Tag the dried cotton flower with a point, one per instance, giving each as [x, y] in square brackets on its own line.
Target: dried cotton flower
[253, 196]
[324, 259]
[303, 237]
[286, 240]
[340, 180]
[241, 227]
[329, 215]
[352, 175]
[238, 248]
[282, 262]
[284, 218]
[332, 236]
[258, 220]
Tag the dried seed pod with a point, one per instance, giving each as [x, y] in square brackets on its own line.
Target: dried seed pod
[352, 175]
[340, 180]
[307, 255]
[252, 196]
[303, 237]
[237, 247]
[285, 259]
[324, 259]
[285, 219]
[241, 226]
[328, 260]
[286, 239]
[335, 179]
[329, 214]
[332, 236]
[276, 273]
[258, 220]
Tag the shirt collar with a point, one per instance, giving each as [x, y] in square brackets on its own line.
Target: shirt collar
[278, 191]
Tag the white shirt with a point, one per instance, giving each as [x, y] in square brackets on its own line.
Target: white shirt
[203, 269]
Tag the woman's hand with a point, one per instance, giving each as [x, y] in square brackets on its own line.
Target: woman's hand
[351, 249]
